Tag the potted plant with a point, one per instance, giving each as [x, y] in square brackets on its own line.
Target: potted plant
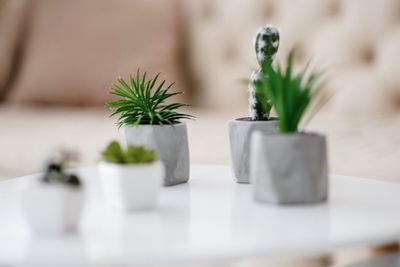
[266, 45]
[57, 193]
[289, 167]
[147, 120]
[131, 178]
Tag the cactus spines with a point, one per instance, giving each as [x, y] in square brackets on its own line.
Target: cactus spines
[266, 45]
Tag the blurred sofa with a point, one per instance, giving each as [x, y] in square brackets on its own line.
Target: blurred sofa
[58, 59]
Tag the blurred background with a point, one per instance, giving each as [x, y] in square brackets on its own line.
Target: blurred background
[58, 59]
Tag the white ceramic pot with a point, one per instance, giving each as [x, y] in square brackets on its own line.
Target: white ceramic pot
[53, 208]
[132, 186]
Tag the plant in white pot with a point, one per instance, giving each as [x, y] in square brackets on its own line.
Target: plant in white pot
[289, 167]
[149, 121]
[266, 46]
[131, 178]
[54, 203]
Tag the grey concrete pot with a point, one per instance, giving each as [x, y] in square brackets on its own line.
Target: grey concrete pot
[289, 168]
[240, 131]
[171, 144]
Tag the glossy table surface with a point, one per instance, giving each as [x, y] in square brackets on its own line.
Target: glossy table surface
[209, 218]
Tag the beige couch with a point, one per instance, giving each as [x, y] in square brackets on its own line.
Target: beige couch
[211, 52]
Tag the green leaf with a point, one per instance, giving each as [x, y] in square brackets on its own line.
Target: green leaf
[287, 92]
[132, 155]
[113, 153]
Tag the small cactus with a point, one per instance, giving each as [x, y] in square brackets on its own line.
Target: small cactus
[266, 45]
[55, 170]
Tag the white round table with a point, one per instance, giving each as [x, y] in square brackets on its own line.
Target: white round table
[209, 218]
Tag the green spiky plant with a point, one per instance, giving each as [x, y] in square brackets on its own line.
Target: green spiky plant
[290, 94]
[266, 46]
[144, 102]
[114, 153]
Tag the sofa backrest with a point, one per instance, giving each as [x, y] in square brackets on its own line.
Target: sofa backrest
[75, 49]
[355, 39]
[12, 15]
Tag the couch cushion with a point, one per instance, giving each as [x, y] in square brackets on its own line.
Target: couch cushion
[338, 35]
[76, 49]
[11, 21]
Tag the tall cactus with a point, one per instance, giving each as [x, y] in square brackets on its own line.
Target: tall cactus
[266, 45]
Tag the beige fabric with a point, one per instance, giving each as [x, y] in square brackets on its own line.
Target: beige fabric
[388, 60]
[12, 14]
[344, 35]
[76, 48]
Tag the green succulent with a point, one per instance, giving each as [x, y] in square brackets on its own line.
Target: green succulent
[143, 102]
[132, 155]
[290, 94]
[55, 174]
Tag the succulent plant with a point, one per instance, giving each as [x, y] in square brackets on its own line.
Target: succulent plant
[55, 170]
[114, 153]
[266, 45]
[143, 102]
[290, 94]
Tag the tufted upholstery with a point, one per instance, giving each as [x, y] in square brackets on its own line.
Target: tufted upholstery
[350, 37]
[358, 41]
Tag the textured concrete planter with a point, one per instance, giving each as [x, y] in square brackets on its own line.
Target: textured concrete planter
[171, 144]
[289, 168]
[240, 131]
[53, 209]
[133, 186]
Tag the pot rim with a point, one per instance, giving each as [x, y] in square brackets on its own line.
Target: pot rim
[248, 120]
[131, 166]
[292, 135]
[179, 124]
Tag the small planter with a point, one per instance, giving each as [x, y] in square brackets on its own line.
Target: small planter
[171, 145]
[132, 186]
[240, 131]
[289, 168]
[53, 209]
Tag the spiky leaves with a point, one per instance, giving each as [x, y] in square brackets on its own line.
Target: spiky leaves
[266, 45]
[289, 94]
[144, 102]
